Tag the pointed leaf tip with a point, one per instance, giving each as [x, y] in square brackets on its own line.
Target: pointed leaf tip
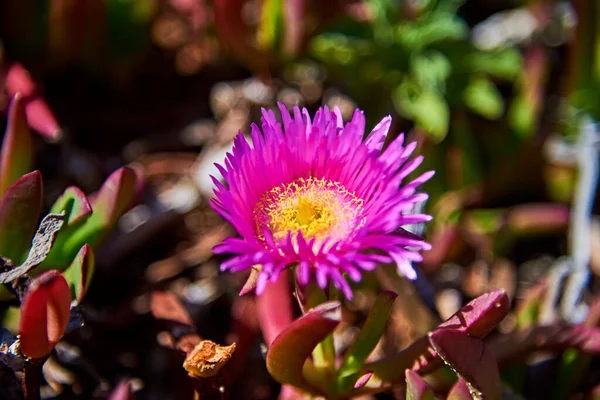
[416, 387]
[362, 381]
[79, 274]
[16, 158]
[44, 314]
[460, 391]
[19, 211]
[471, 359]
[480, 316]
[41, 118]
[75, 204]
[116, 195]
[293, 346]
[123, 391]
[19, 80]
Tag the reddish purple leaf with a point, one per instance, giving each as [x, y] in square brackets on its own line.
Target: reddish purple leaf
[293, 346]
[18, 80]
[44, 314]
[115, 197]
[19, 211]
[478, 318]
[460, 391]
[41, 118]
[123, 391]
[555, 337]
[79, 274]
[362, 381]
[471, 359]
[75, 204]
[16, 158]
[417, 388]
[39, 115]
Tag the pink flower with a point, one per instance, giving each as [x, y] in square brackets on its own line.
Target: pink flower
[316, 197]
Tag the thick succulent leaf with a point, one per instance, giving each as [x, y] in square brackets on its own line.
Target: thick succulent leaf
[44, 314]
[19, 211]
[16, 158]
[75, 204]
[113, 199]
[41, 118]
[460, 391]
[39, 115]
[555, 337]
[289, 351]
[123, 391]
[417, 388]
[471, 359]
[18, 80]
[478, 318]
[367, 340]
[79, 274]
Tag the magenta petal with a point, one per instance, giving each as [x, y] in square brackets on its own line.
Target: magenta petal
[272, 189]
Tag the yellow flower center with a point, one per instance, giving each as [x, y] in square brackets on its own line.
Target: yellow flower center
[319, 208]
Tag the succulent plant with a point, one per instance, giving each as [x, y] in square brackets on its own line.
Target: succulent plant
[62, 246]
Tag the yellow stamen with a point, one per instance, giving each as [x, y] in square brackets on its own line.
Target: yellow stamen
[318, 208]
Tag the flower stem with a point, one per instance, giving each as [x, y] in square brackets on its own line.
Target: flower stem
[324, 354]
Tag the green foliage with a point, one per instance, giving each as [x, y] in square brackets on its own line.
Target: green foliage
[425, 63]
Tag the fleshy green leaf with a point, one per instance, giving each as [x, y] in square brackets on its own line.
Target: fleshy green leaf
[75, 204]
[16, 158]
[44, 314]
[113, 199]
[417, 388]
[426, 107]
[482, 96]
[505, 64]
[471, 359]
[19, 211]
[79, 274]
[290, 350]
[367, 340]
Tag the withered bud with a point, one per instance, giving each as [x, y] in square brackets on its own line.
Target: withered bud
[207, 358]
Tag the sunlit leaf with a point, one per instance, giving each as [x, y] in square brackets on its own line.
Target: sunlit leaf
[44, 314]
[79, 274]
[471, 359]
[19, 211]
[289, 351]
[16, 158]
